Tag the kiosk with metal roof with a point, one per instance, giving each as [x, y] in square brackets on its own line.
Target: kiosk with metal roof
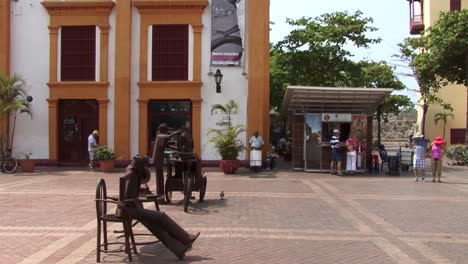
[316, 111]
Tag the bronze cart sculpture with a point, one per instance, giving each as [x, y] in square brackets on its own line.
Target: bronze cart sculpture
[187, 177]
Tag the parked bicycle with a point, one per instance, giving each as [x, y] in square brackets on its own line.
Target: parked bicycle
[8, 164]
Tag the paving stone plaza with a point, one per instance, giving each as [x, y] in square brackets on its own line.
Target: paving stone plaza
[271, 217]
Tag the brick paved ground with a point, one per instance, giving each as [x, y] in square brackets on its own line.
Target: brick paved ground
[271, 217]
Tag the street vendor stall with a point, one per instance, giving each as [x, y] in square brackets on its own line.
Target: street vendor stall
[317, 111]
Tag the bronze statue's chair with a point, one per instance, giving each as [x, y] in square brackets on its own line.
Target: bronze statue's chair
[103, 218]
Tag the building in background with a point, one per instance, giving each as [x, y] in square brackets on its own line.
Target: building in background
[423, 14]
[125, 66]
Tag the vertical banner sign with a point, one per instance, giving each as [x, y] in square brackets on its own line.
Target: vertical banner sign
[313, 138]
[227, 32]
[359, 134]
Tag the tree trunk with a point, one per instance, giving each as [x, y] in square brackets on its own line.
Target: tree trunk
[13, 133]
[423, 119]
[466, 124]
[379, 119]
[443, 132]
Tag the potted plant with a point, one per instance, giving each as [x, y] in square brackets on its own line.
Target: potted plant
[225, 139]
[27, 164]
[14, 101]
[106, 157]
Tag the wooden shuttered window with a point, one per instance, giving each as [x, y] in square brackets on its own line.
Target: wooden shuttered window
[455, 5]
[78, 53]
[170, 53]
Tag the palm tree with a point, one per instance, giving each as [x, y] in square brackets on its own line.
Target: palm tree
[225, 139]
[13, 102]
[443, 116]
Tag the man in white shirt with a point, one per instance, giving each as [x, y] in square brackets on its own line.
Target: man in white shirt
[256, 141]
[92, 144]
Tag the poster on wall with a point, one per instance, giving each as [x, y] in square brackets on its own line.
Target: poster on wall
[313, 138]
[227, 32]
[359, 135]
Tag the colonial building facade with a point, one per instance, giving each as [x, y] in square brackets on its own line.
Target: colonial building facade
[125, 66]
[423, 14]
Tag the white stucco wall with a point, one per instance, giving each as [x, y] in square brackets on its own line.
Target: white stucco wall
[30, 60]
[234, 86]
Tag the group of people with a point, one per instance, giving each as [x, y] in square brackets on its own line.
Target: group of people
[437, 148]
[283, 149]
[421, 145]
[352, 151]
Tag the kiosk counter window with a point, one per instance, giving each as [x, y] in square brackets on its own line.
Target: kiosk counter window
[327, 130]
[319, 131]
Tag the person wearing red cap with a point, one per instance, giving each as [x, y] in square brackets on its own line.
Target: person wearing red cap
[437, 152]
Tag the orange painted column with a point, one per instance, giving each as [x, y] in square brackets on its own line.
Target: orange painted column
[196, 124]
[4, 52]
[104, 52]
[197, 43]
[143, 126]
[258, 107]
[103, 121]
[5, 37]
[53, 42]
[53, 128]
[122, 109]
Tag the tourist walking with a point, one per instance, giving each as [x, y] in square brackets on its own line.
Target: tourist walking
[92, 144]
[419, 159]
[437, 152]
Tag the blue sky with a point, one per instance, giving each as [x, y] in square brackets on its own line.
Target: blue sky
[390, 17]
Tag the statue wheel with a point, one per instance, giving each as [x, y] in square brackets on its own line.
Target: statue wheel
[203, 188]
[167, 193]
[187, 193]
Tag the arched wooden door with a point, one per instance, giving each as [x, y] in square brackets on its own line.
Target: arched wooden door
[77, 120]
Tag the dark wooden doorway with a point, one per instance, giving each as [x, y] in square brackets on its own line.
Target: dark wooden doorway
[175, 113]
[77, 120]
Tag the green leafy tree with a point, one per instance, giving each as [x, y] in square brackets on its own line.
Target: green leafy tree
[316, 54]
[13, 102]
[444, 117]
[381, 75]
[447, 41]
[421, 64]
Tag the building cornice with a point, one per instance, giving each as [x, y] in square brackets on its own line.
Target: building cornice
[102, 7]
[53, 85]
[170, 84]
[155, 6]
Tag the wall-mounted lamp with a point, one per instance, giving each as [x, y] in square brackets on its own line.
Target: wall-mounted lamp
[218, 76]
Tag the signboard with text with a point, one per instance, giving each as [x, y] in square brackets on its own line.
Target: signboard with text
[332, 117]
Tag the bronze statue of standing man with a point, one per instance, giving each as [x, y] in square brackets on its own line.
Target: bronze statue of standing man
[162, 138]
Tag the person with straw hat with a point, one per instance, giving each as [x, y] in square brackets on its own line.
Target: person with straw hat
[437, 151]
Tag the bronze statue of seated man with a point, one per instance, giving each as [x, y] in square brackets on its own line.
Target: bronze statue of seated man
[173, 236]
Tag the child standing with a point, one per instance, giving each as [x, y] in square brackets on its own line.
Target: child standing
[419, 160]
[437, 151]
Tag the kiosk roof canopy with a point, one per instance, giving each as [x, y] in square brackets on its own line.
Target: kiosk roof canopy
[308, 99]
